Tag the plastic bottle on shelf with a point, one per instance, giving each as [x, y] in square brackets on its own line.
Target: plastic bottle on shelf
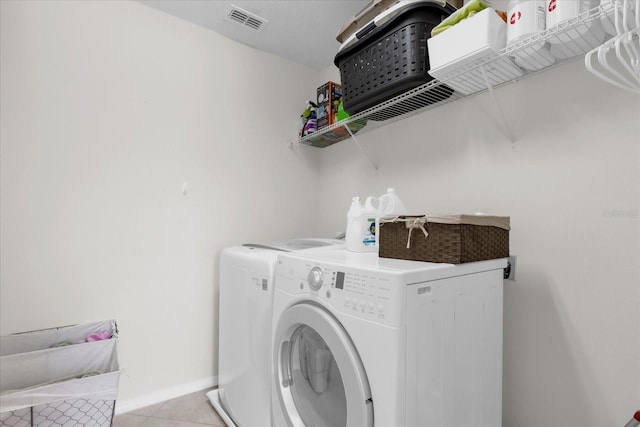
[361, 227]
[526, 18]
[635, 421]
[391, 205]
[579, 39]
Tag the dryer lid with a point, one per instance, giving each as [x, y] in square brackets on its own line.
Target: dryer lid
[294, 245]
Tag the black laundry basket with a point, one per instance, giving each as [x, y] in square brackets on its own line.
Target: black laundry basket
[390, 59]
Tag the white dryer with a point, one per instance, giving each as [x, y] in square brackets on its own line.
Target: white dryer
[362, 341]
[243, 396]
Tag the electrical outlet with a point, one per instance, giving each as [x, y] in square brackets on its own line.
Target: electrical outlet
[510, 270]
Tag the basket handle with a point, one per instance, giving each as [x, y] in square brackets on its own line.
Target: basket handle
[366, 30]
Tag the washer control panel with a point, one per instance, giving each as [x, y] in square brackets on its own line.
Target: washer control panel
[365, 293]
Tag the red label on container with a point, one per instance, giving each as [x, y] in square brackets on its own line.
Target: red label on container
[552, 5]
[515, 17]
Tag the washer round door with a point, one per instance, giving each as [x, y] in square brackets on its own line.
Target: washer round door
[319, 377]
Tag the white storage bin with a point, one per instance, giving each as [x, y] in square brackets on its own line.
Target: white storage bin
[72, 385]
[474, 38]
[466, 43]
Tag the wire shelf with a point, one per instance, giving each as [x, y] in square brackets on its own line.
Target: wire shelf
[539, 52]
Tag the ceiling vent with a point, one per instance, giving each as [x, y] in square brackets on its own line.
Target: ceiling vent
[246, 19]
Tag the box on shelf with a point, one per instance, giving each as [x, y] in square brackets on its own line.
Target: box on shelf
[369, 12]
[450, 239]
[328, 98]
[472, 40]
[63, 376]
[372, 67]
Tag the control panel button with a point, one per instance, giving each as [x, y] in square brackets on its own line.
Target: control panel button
[315, 278]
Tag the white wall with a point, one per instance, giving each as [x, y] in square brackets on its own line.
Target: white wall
[106, 109]
[571, 186]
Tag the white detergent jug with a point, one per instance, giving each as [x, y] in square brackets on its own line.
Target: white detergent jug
[361, 227]
[372, 204]
[391, 205]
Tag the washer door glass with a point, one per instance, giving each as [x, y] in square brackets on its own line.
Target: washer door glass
[320, 375]
[317, 389]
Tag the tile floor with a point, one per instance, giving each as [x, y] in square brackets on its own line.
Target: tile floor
[192, 410]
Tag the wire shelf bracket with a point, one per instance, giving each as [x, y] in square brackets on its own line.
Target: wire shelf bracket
[355, 140]
[505, 126]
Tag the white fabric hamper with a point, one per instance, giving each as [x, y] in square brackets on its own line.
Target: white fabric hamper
[71, 385]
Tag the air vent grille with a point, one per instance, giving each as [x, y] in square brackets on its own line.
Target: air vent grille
[246, 19]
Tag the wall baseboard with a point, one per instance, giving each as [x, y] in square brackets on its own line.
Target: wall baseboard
[128, 405]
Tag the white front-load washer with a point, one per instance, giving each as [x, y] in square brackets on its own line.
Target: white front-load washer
[362, 341]
[243, 396]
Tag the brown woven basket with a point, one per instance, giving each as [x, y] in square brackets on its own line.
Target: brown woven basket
[448, 243]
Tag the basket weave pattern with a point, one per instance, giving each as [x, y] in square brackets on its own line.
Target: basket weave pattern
[448, 243]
